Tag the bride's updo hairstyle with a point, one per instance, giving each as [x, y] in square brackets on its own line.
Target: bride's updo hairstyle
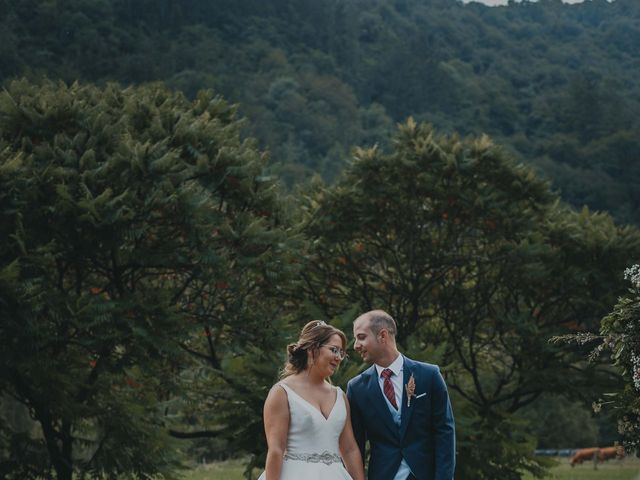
[313, 335]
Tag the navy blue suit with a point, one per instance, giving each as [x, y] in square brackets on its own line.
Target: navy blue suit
[426, 437]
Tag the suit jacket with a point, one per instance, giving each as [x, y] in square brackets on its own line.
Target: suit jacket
[426, 437]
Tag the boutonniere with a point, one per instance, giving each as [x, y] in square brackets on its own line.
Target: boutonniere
[411, 389]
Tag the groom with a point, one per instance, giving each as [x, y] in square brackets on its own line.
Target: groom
[401, 406]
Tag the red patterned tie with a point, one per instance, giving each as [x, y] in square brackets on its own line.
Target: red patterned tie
[387, 387]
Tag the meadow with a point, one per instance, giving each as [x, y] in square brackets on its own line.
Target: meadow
[229, 470]
[626, 469]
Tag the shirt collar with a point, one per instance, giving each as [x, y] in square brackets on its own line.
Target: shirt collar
[395, 367]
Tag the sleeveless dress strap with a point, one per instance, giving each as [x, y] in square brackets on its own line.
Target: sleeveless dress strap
[285, 387]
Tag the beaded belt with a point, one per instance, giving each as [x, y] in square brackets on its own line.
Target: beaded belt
[325, 457]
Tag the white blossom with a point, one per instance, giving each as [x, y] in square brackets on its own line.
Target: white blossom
[633, 274]
[635, 362]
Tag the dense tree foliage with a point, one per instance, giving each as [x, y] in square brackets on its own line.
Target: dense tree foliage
[139, 236]
[558, 423]
[474, 255]
[555, 83]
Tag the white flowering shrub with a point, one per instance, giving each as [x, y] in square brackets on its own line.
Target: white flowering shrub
[619, 337]
[633, 274]
[620, 334]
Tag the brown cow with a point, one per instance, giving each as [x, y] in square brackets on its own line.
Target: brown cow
[598, 455]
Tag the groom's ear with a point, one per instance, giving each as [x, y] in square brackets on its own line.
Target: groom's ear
[384, 335]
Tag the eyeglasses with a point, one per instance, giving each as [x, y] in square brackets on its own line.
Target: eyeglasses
[337, 352]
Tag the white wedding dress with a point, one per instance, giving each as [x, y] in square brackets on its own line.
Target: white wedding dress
[312, 445]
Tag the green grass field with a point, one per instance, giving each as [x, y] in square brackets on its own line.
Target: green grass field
[627, 469]
[232, 470]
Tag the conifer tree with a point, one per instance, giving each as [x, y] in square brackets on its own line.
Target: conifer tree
[479, 264]
[138, 232]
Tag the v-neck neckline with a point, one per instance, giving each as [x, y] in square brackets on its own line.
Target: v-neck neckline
[335, 402]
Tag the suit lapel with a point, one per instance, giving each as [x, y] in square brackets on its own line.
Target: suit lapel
[406, 410]
[374, 393]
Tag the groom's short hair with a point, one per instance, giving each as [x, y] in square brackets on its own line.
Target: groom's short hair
[379, 319]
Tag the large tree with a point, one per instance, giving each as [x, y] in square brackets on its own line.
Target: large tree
[131, 220]
[477, 261]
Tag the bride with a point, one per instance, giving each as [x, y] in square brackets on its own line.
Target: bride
[306, 419]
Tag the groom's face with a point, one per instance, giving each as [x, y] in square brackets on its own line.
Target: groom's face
[366, 342]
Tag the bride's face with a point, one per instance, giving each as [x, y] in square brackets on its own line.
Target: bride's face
[329, 356]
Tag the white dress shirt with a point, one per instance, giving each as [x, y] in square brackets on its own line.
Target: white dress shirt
[397, 379]
[397, 367]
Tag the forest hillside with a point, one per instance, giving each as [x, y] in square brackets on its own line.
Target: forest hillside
[554, 83]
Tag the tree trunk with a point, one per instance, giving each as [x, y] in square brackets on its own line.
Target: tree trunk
[59, 451]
